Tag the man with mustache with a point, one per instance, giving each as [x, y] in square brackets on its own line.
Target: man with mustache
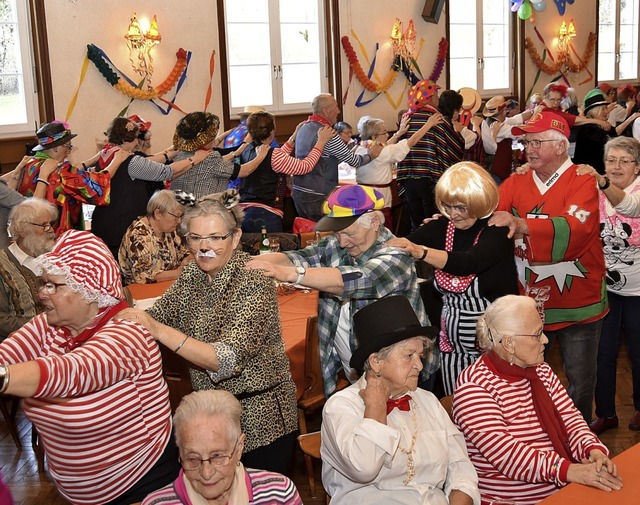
[31, 226]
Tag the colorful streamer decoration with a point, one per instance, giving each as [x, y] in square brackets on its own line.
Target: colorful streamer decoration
[566, 59]
[127, 86]
[360, 74]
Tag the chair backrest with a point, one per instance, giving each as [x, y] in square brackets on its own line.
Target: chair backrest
[447, 403]
[313, 393]
[175, 370]
[310, 444]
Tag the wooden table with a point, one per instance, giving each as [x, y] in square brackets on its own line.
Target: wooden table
[295, 308]
[628, 468]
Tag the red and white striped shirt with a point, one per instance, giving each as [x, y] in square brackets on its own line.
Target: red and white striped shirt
[283, 162]
[102, 410]
[508, 446]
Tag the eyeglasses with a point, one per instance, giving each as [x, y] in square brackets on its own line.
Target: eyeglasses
[218, 459]
[176, 216]
[623, 162]
[554, 100]
[382, 133]
[49, 287]
[538, 335]
[45, 226]
[535, 144]
[69, 146]
[461, 209]
[197, 239]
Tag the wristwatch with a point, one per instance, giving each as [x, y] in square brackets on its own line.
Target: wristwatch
[607, 183]
[4, 378]
[300, 271]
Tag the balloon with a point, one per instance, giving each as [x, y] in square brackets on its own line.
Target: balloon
[516, 5]
[540, 6]
[533, 2]
[524, 12]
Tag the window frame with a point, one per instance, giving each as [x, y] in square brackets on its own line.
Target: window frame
[516, 77]
[616, 71]
[330, 13]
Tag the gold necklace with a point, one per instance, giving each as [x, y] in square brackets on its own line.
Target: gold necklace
[411, 469]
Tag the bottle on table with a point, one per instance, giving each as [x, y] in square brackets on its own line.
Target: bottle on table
[264, 242]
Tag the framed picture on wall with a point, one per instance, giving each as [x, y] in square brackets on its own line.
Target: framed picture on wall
[432, 10]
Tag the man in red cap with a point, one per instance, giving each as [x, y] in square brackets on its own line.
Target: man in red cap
[554, 216]
[441, 147]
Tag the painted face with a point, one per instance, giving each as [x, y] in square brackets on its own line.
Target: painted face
[401, 369]
[63, 307]
[211, 242]
[207, 437]
[357, 239]
[459, 215]
[621, 168]
[528, 346]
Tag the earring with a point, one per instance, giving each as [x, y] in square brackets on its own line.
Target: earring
[512, 358]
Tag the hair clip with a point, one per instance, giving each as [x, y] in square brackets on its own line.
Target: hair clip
[229, 198]
[131, 126]
[184, 198]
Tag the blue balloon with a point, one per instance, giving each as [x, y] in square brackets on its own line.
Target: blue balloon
[540, 6]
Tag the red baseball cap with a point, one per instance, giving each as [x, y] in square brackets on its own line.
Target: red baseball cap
[542, 122]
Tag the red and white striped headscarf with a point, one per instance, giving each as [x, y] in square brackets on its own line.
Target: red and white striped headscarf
[88, 266]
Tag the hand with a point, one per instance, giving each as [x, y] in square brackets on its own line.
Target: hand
[375, 396]
[46, 169]
[523, 169]
[601, 459]
[200, 155]
[140, 317]
[262, 150]
[476, 121]
[121, 155]
[586, 473]
[605, 125]
[586, 170]
[325, 133]
[375, 150]
[407, 246]
[278, 272]
[404, 125]
[502, 218]
[432, 218]
[435, 119]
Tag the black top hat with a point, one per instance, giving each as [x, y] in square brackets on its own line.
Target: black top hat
[52, 135]
[383, 323]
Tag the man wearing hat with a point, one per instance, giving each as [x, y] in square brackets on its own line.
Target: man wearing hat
[440, 148]
[310, 190]
[590, 139]
[554, 216]
[496, 134]
[351, 269]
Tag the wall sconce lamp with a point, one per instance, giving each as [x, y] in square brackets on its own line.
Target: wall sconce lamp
[566, 34]
[140, 42]
[403, 42]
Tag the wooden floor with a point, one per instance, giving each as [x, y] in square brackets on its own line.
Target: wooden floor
[33, 487]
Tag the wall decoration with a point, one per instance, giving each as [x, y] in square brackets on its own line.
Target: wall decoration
[562, 5]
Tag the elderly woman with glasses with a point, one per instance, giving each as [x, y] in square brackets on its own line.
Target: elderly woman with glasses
[92, 386]
[210, 440]
[473, 262]
[524, 435]
[151, 249]
[49, 174]
[620, 234]
[225, 320]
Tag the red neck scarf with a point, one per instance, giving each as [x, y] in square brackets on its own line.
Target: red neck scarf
[401, 403]
[319, 119]
[545, 409]
[87, 333]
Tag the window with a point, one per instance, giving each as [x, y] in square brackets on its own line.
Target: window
[480, 46]
[18, 101]
[275, 53]
[618, 40]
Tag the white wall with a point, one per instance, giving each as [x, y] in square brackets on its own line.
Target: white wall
[193, 25]
[71, 25]
[372, 21]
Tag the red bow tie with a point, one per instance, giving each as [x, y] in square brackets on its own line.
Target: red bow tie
[399, 403]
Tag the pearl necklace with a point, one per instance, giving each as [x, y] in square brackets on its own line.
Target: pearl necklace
[411, 469]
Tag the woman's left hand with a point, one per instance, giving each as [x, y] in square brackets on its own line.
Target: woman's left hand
[586, 170]
[140, 317]
[602, 460]
[407, 246]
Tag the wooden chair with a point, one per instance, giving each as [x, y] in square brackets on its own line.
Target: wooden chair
[313, 398]
[310, 445]
[175, 370]
[447, 403]
[9, 408]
